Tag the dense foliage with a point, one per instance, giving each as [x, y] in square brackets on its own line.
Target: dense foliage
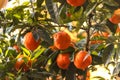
[44, 18]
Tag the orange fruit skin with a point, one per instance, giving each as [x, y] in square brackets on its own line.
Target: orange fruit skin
[79, 61]
[63, 60]
[88, 75]
[29, 41]
[115, 19]
[61, 40]
[20, 64]
[16, 48]
[3, 3]
[118, 29]
[76, 2]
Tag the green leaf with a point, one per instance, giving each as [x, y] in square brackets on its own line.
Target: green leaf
[52, 56]
[1, 51]
[111, 3]
[117, 2]
[43, 58]
[74, 15]
[54, 68]
[19, 77]
[106, 54]
[2, 66]
[37, 54]
[44, 44]
[26, 50]
[77, 15]
[25, 59]
[47, 52]
[101, 28]
[61, 1]
[45, 36]
[2, 14]
[116, 69]
[38, 15]
[10, 74]
[111, 26]
[96, 59]
[111, 39]
[118, 49]
[68, 50]
[10, 52]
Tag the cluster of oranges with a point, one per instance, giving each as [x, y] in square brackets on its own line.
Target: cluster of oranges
[24, 62]
[81, 60]
[61, 42]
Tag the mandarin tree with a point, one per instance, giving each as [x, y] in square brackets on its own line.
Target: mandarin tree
[62, 39]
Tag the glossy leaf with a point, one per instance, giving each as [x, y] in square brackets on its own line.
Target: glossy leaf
[111, 26]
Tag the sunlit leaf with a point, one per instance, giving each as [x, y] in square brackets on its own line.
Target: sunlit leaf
[37, 54]
[26, 51]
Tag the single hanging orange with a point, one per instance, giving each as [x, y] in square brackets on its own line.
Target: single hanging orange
[63, 60]
[82, 60]
[30, 42]
[76, 2]
[61, 40]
